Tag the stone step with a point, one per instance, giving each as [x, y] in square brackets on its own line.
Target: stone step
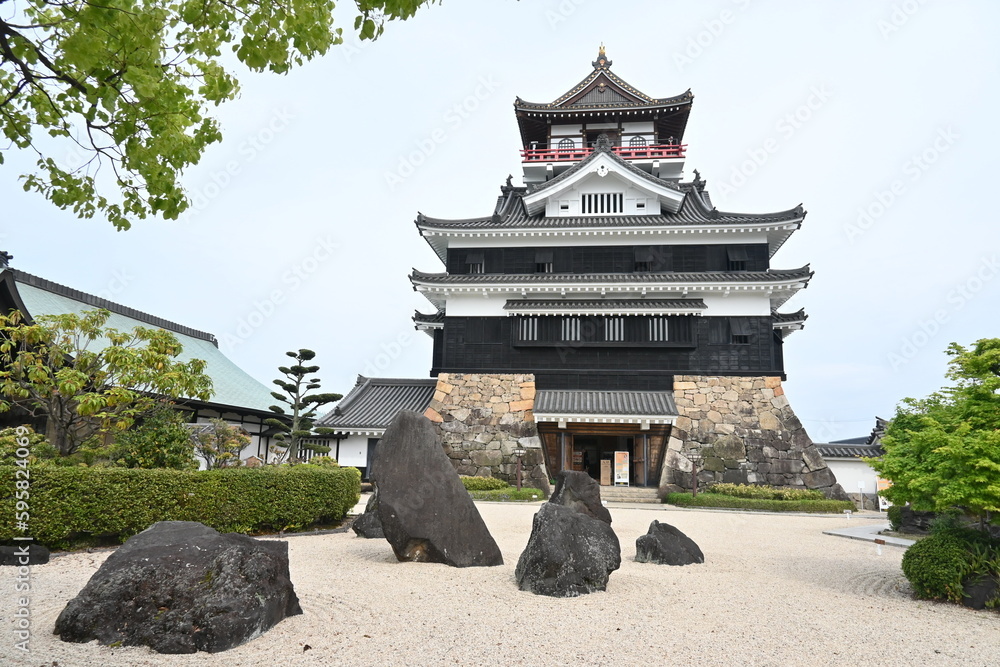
[624, 494]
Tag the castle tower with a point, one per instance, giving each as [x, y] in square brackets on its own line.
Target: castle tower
[648, 319]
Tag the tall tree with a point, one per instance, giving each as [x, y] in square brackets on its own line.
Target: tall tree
[297, 424]
[943, 451]
[130, 83]
[87, 379]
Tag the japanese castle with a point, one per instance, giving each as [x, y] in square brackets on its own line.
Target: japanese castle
[609, 293]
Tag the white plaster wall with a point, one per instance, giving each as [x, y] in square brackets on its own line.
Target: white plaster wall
[353, 451]
[735, 305]
[634, 127]
[851, 471]
[563, 130]
[693, 237]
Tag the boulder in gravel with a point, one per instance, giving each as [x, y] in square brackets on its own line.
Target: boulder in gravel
[182, 587]
[24, 554]
[978, 592]
[568, 554]
[915, 522]
[425, 511]
[581, 492]
[368, 524]
[666, 545]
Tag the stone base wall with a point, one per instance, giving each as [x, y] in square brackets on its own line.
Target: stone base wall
[482, 418]
[744, 432]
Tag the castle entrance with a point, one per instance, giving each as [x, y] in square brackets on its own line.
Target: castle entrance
[592, 448]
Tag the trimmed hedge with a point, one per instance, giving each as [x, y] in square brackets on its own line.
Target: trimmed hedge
[731, 502]
[765, 492]
[72, 505]
[508, 494]
[482, 483]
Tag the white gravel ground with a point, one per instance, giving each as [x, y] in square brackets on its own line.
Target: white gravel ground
[773, 591]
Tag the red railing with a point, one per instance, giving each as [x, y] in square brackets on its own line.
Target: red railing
[628, 152]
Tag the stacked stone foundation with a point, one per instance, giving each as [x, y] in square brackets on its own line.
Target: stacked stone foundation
[482, 419]
[741, 430]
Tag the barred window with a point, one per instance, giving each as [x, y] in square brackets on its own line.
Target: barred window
[571, 328]
[637, 141]
[614, 328]
[566, 144]
[528, 328]
[600, 203]
[659, 329]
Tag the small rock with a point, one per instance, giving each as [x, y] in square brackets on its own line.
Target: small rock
[24, 554]
[666, 545]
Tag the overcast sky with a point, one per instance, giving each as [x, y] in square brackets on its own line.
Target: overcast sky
[879, 117]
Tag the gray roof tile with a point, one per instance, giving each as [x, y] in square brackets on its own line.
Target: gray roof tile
[625, 403]
[374, 402]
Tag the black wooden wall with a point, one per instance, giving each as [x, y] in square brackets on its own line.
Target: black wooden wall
[611, 259]
[488, 344]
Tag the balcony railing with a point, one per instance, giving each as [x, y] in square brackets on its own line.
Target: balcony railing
[657, 151]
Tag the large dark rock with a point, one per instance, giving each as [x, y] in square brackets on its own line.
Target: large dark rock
[568, 554]
[581, 492]
[666, 545]
[425, 512]
[368, 524]
[915, 522]
[24, 554]
[977, 592]
[181, 587]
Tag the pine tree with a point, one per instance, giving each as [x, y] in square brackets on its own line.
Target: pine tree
[297, 424]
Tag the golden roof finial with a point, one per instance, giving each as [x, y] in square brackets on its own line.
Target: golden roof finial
[601, 50]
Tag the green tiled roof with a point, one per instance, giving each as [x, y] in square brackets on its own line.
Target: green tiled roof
[232, 386]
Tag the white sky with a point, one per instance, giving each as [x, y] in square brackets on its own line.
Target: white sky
[903, 96]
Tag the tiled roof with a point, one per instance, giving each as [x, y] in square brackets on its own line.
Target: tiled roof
[643, 100]
[231, 385]
[374, 402]
[847, 451]
[769, 276]
[604, 304]
[790, 318]
[622, 164]
[625, 403]
[693, 211]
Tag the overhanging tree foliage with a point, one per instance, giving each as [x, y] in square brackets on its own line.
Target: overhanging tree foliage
[87, 379]
[128, 84]
[298, 423]
[943, 451]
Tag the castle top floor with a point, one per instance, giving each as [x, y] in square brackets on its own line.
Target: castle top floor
[646, 131]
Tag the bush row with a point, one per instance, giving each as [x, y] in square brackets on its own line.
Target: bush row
[765, 492]
[718, 500]
[507, 494]
[482, 483]
[69, 506]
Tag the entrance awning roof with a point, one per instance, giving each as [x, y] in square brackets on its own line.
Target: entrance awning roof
[611, 407]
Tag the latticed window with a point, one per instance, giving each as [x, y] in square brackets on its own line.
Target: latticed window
[566, 144]
[659, 329]
[570, 328]
[528, 328]
[614, 328]
[602, 203]
[637, 142]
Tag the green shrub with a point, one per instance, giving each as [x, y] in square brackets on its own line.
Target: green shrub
[732, 502]
[483, 483]
[322, 460]
[77, 504]
[765, 492]
[11, 440]
[935, 567]
[160, 440]
[895, 514]
[508, 494]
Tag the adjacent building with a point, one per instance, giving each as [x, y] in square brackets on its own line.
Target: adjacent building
[237, 397]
